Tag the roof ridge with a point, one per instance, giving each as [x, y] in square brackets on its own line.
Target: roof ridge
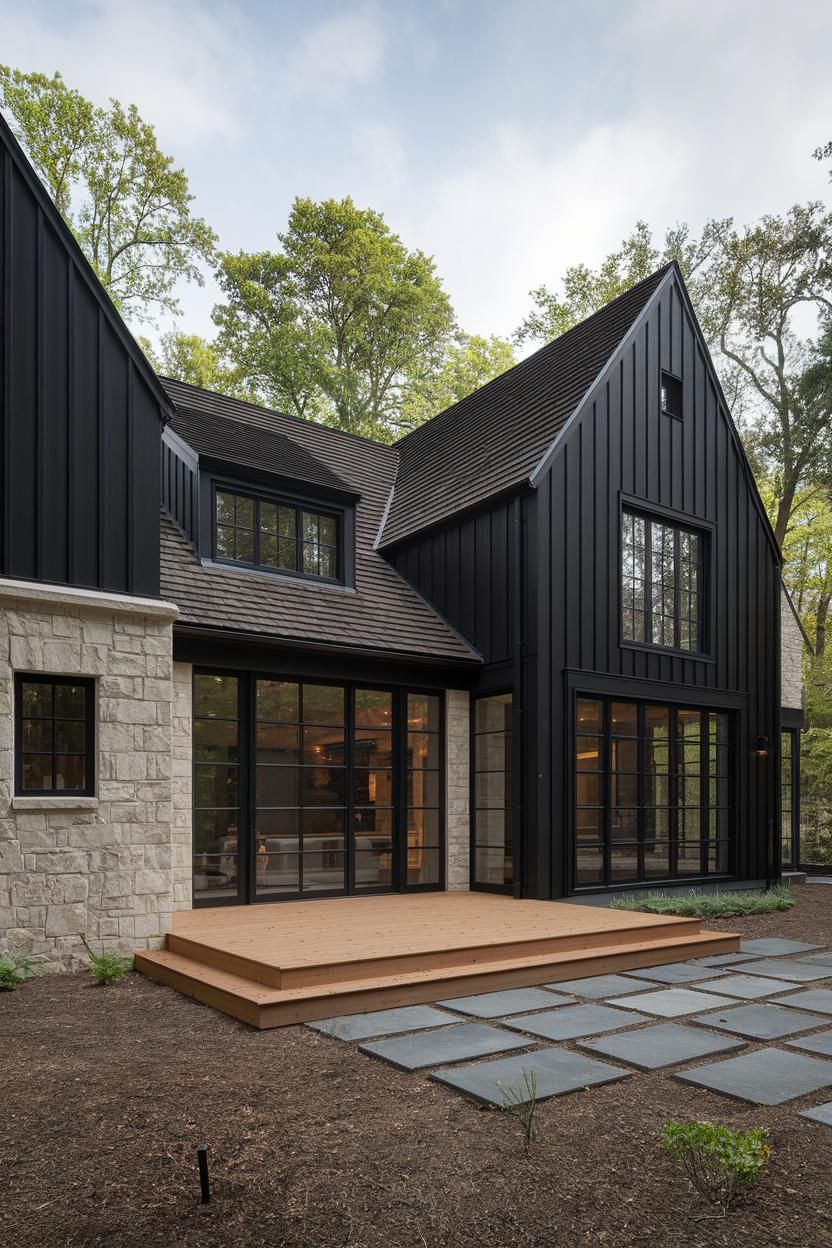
[656, 276]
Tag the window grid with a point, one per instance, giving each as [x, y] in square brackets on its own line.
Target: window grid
[55, 735]
[652, 792]
[275, 536]
[492, 825]
[662, 584]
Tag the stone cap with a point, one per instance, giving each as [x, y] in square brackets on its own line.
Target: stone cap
[38, 592]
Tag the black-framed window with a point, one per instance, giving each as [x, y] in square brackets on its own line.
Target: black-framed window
[652, 789]
[308, 788]
[54, 736]
[276, 536]
[492, 865]
[663, 589]
[789, 797]
[671, 395]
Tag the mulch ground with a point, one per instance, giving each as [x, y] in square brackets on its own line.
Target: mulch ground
[107, 1092]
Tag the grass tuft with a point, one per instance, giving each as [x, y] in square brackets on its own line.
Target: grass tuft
[710, 905]
[108, 968]
[14, 972]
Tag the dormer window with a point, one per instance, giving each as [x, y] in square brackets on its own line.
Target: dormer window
[266, 533]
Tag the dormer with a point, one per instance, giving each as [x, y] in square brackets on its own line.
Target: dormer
[251, 498]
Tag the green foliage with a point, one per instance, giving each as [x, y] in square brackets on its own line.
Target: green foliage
[710, 905]
[471, 362]
[520, 1102]
[339, 322]
[108, 968]
[14, 972]
[127, 204]
[192, 359]
[722, 1164]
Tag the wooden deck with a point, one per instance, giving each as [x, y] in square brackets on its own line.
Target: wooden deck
[272, 965]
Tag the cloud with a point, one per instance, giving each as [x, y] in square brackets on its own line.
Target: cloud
[182, 64]
[337, 54]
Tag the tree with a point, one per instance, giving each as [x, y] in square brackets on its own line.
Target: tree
[824, 153]
[192, 359]
[470, 363]
[746, 285]
[126, 203]
[338, 323]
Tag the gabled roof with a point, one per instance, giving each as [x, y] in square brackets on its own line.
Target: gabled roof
[213, 425]
[491, 442]
[82, 265]
[382, 614]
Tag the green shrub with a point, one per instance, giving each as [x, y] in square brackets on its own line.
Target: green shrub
[721, 1164]
[711, 905]
[521, 1102]
[14, 972]
[108, 968]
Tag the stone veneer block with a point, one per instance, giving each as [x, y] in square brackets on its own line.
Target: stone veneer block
[556, 1071]
[764, 1077]
[437, 1048]
[509, 1001]
[382, 1022]
[666, 1044]
[572, 1021]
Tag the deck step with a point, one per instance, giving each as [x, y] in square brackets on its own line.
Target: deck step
[265, 1006]
[483, 953]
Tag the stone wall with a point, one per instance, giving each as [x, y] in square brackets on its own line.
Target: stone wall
[792, 647]
[457, 788]
[182, 786]
[100, 867]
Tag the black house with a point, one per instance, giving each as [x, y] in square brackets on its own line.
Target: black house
[533, 647]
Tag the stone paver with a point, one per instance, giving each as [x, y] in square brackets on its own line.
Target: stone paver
[723, 959]
[765, 1077]
[511, 1001]
[820, 1113]
[572, 1021]
[383, 1022]
[821, 1043]
[675, 973]
[760, 1021]
[817, 959]
[600, 986]
[749, 987]
[557, 1072]
[774, 947]
[666, 1044]
[787, 968]
[817, 999]
[437, 1048]
[673, 1002]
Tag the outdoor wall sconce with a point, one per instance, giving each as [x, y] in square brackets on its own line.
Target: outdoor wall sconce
[761, 747]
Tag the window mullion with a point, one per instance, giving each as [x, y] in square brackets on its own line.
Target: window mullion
[648, 581]
[677, 591]
[54, 751]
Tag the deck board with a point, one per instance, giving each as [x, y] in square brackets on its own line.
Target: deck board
[277, 964]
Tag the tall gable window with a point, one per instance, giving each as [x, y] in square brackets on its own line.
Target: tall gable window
[263, 533]
[662, 583]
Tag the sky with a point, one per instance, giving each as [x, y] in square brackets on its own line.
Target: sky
[506, 138]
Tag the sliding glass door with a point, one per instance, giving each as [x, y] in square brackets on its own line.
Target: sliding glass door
[305, 788]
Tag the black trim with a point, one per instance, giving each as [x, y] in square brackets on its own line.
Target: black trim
[88, 685]
[510, 811]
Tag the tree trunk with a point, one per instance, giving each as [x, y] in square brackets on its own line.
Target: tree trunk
[784, 512]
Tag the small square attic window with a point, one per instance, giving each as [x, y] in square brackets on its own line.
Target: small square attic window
[671, 395]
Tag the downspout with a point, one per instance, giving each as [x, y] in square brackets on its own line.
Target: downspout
[517, 708]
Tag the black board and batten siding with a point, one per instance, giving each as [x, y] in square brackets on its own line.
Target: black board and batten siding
[565, 638]
[180, 484]
[80, 415]
[622, 447]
